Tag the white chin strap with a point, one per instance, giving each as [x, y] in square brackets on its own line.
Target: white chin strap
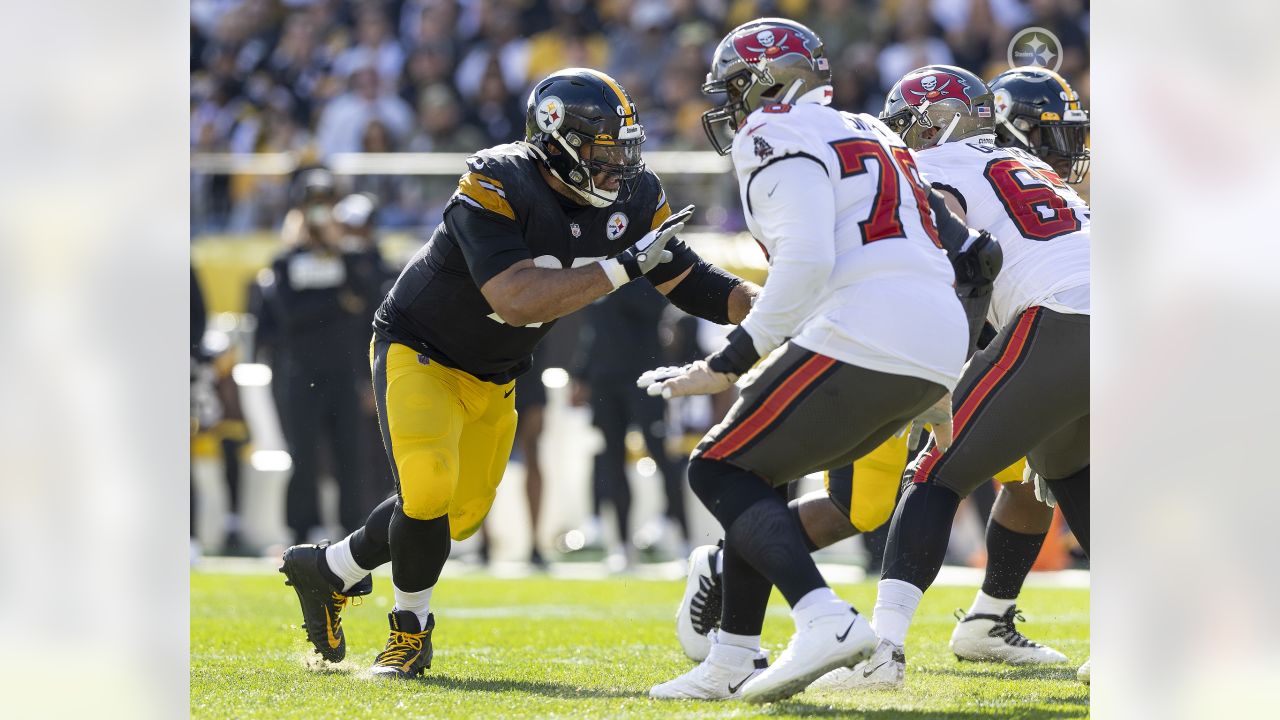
[955, 120]
[1021, 136]
[601, 198]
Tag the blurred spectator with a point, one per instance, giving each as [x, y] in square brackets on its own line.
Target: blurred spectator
[496, 111]
[372, 278]
[317, 293]
[386, 188]
[375, 45]
[346, 117]
[338, 62]
[430, 64]
[500, 52]
[531, 403]
[841, 23]
[430, 22]
[619, 343]
[916, 43]
[573, 40]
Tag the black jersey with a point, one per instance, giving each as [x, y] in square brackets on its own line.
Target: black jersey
[503, 212]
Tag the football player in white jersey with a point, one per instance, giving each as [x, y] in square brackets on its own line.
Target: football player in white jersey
[861, 327]
[1027, 393]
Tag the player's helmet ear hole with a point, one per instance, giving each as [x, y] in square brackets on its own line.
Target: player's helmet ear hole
[772, 92]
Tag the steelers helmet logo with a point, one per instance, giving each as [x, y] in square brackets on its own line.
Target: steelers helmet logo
[550, 114]
[616, 226]
[1003, 101]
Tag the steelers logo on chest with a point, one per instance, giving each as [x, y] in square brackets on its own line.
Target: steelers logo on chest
[616, 226]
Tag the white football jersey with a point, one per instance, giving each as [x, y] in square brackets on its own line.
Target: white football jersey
[812, 177]
[1040, 221]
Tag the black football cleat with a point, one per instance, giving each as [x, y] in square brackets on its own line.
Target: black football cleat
[321, 597]
[408, 650]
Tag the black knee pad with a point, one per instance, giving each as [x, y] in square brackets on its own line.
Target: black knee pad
[724, 489]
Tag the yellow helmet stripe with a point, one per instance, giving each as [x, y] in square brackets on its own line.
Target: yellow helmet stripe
[617, 90]
[1071, 104]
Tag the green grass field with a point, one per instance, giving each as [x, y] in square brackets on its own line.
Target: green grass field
[543, 647]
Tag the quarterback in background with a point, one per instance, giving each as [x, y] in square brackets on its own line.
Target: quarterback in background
[861, 329]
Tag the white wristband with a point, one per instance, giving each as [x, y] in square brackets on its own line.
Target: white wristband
[615, 272]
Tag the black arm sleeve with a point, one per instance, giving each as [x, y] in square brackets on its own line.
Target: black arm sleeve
[951, 231]
[704, 291]
[976, 267]
[683, 258]
[489, 243]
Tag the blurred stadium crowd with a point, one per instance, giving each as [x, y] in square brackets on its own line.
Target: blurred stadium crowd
[315, 78]
[319, 77]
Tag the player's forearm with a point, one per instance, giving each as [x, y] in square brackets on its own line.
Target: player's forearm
[740, 301]
[533, 294]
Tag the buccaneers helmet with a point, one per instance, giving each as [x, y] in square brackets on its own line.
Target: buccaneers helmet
[582, 123]
[1037, 110]
[765, 61]
[953, 100]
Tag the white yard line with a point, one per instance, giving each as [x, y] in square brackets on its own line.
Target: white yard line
[951, 575]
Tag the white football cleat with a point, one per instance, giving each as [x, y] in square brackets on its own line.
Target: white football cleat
[1083, 673]
[840, 639]
[720, 677]
[994, 638]
[699, 611]
[886, 669]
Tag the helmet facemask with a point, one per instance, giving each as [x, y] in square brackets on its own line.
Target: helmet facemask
[722, 122]
[582, 158]
[1061, 143]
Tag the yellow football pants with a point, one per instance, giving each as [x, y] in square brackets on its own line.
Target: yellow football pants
[448, 435]
[869, 489]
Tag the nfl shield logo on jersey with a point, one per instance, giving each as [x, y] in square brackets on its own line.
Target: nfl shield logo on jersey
[616, 226]
[575, 230]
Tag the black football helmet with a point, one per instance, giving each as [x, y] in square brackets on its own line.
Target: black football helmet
[582, 123]
[1037, 110]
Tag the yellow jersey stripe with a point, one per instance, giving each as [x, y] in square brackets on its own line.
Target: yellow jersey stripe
[617, 90]
[486, 193]
[662, 213]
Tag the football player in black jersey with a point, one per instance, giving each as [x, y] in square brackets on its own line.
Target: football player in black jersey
[536, 230]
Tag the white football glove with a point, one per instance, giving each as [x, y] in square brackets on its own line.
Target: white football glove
[939, 417]
[1043, 493]
[692, 379]
[648, 253]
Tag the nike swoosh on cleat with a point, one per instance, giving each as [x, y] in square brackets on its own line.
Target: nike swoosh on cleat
[734, 688]
[845, 634]
[867, 673]
[334, 642]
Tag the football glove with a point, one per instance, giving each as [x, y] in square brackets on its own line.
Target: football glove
[696, 378]
[648, 252]
[1043, 493]
[939, 417]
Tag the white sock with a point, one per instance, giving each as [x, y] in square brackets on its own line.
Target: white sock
[984, 604]
[748, 642]
[896, 603]
[419, 603]
[340, 561]
[816, 603]
[720, 562]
